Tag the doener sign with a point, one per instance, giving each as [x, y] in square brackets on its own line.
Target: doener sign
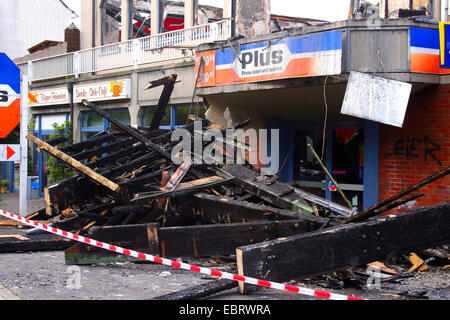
[48, 97]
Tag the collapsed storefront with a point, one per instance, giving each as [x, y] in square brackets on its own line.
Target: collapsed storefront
[296, 80]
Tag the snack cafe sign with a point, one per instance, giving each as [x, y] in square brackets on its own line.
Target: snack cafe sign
[111, 90]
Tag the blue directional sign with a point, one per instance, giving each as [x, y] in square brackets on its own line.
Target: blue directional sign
[9, 95]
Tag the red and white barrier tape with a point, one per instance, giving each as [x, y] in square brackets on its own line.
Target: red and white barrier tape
[176, 264]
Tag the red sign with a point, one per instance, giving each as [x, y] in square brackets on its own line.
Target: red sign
[170, 24]
[9, 95]
[207, 61]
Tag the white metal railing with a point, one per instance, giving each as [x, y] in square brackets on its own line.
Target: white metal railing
[156, 48]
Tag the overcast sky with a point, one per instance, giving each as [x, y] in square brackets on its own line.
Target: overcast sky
[330, 10]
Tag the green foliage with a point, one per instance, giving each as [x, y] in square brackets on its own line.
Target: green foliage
[4, 183]
[56, 171]
[32, 125]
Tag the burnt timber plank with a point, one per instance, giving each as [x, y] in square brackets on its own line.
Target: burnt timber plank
[114, 156]
[184, 188]
[72, 192]
[141, 237]
[126, 129]
[90, 143]
[74, 164]
[169, 83]
[38, 242]
[372, 211]
[278, 193]
[345, 245]
[223, 239]
[98, 151]
[129, 165]
[185, 241]
[211, 208]
[200, 291]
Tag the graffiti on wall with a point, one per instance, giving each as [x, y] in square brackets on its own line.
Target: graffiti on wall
[414, 147]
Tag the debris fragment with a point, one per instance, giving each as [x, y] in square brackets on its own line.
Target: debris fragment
[418, 263]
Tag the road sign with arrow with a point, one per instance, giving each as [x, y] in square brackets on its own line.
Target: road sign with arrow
[9, 152]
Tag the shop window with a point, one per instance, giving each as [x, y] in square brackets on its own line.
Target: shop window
[175, 116]
[92, 120]
[122, 116]
[150, 112]
[92, 123]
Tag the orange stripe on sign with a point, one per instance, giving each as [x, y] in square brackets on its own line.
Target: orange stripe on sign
[424, 62]
[9, 117]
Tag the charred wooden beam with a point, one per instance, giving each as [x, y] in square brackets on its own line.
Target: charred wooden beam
[74, 164]
[398, 203]
[126, 129]
[38, 242]
[223, 239]
[211, 208]
[184, 241]
[200, 291]
[185, 188]
[345, 246]
[372, 211]
[136, 183]
[130, 165]
[98, 151]
[169, 83]
[115, 156]
[90, 143]
[142, 237]
[71, 192]
[278, 193]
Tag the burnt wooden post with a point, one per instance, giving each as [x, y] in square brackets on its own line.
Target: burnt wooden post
[168, 83]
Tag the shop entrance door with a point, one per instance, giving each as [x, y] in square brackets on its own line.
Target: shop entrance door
[342, 152]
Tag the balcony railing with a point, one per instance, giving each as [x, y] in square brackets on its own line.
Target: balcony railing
[132, 53]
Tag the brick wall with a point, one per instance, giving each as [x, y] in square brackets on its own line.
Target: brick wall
[422, 147]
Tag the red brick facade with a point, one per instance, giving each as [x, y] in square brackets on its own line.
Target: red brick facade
[420, 148]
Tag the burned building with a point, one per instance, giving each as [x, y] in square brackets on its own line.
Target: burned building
[296, 81]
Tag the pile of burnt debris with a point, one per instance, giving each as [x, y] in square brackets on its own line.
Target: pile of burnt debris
[127, 191]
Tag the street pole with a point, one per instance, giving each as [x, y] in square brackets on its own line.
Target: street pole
[23, 189]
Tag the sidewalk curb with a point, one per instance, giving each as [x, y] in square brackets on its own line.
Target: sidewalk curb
[6, 294]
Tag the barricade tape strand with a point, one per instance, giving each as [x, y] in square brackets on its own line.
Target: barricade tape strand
[180, 265]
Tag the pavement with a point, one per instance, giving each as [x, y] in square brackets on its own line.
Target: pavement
[10, 202]
[45, 276]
